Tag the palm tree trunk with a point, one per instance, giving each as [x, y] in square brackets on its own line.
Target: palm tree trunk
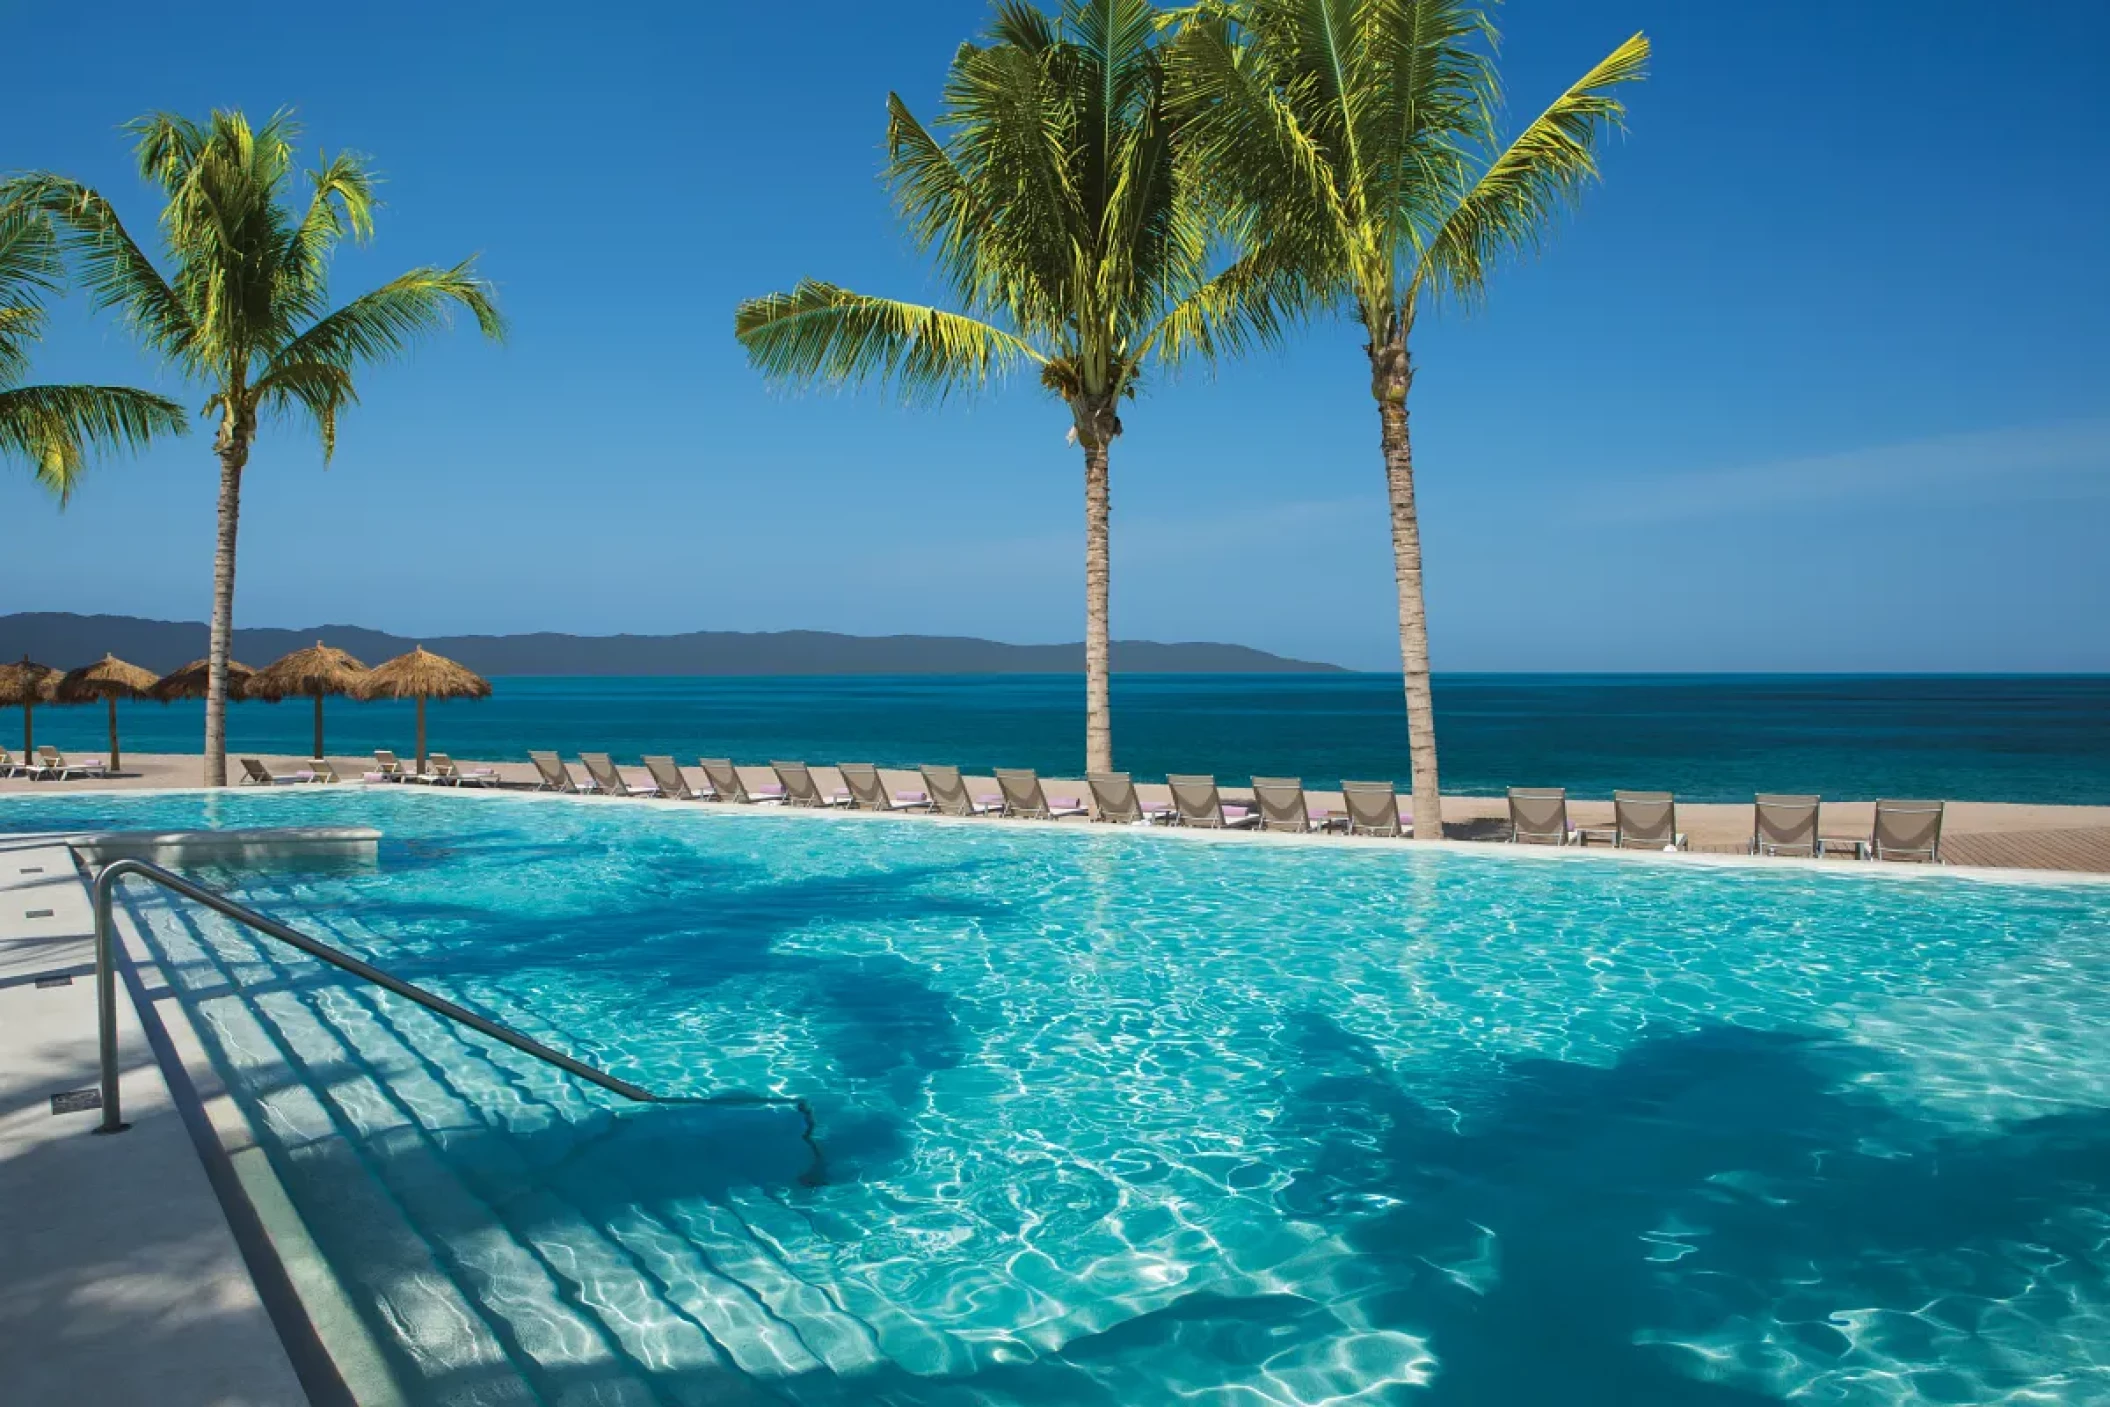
[1096, 427]
[116, 758]
[29, 729]
[1391, 375]
[318, 725]
[234, 452]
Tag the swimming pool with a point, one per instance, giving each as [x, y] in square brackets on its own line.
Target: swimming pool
[1115, 1118]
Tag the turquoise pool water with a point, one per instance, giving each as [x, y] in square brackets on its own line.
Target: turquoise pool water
[1110, 1118]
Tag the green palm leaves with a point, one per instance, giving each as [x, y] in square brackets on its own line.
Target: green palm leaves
[244, 310]
[53, 428]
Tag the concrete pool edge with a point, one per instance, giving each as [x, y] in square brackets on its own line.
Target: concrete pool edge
[1481, 849]
[336, 1357]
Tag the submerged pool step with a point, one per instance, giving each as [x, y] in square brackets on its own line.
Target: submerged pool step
[653, 1309]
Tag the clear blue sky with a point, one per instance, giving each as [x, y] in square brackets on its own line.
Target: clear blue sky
[1816, 380]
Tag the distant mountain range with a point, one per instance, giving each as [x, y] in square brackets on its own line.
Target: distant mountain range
[64, 640]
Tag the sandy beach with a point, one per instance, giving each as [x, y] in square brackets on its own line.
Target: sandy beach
[1996, 834]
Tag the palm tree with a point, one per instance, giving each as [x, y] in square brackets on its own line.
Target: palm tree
[1056, 210]
[52, 428]
[1353, 143]
[245, 312]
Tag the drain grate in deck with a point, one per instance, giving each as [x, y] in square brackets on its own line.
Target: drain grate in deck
[32, 869]
[37, 913]
[76, 1101]
[61, 981]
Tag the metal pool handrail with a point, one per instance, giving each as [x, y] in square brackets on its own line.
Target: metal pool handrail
[106, 1001]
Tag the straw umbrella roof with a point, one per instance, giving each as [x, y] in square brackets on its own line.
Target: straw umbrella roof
[109, 677]
[190, 681]
[320, 670]
[423, 675]
[26, 681]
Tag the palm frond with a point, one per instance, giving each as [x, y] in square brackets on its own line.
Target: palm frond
[384, 324]
[820, 334]
[108, 264]
[53, 428]
[320, 389]
[1533, 180]
[341, 204]
[1251, 304]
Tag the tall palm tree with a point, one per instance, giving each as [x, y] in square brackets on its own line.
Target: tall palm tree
[245, 311]
[1056, 210]
[1354, 142]
[52, 428]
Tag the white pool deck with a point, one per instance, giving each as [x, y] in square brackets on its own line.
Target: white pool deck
[120, 1277]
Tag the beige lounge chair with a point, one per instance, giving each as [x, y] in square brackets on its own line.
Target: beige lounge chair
[1198, 803]
[1907, 830]
[1373, 809]
[1283, 807]
[608, 779]
[950, 796]
[1786, 825]
[1539, 816]
[1025, 798]
[256, 773]
[1646, 820]
[666, 775]
[56, 765]
[868, 791]
[555, 776]
[388, 767]
[442, 769]
[10, 765]
[1114, 796]
[801, 790]
[726, 785]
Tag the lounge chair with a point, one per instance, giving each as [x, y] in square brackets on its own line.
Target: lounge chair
[441, 769]
[1373, 809]
[950, 797]
[608, 779]
[10, 764]
[388, 767]
[1199, 804]
[1023, 797]
[324, 770]
[666, 775]
[1115, 797]
[1283, 808]
[555, 776]
[1646, 818]
[56, 765]
[801, 790]
[726, 785]
[1786, 825]
[1539, 816]
[255, 773]
[868, 792]
[1907, 830]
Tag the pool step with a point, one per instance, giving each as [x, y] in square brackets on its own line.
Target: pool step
[416, 1095]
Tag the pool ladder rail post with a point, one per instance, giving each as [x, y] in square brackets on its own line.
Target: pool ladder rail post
[105, 886]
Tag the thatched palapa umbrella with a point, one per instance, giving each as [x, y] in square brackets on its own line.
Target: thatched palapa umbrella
[27, 684]
[422, 675]
[317, 673]
[109, 679]
[190, 682]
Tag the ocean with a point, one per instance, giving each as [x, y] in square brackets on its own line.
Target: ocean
[2029, 738]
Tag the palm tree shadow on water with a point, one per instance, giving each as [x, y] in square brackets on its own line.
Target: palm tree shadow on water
[1723, 1185]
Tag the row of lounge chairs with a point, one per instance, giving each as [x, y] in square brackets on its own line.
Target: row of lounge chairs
[440, 770]
[49, 764]
[1372, 808]
[1780, 825]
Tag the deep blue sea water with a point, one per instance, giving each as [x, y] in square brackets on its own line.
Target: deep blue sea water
[1707, 737]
